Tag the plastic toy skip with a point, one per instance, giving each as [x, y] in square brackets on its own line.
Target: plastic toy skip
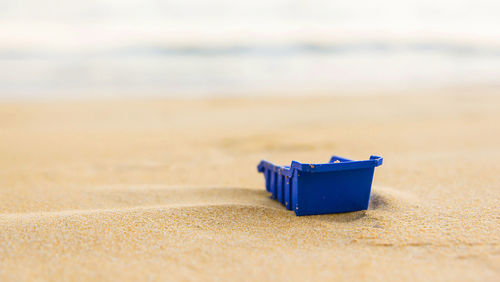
[342, 185]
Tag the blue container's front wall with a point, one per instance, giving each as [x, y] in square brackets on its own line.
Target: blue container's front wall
[331, 192]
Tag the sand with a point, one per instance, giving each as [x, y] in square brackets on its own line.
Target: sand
[168, 189]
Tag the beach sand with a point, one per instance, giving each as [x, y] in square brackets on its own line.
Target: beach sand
[164, 189]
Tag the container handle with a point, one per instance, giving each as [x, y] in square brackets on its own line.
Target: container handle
[378, 159]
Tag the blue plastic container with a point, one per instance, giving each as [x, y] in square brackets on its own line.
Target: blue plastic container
[342, 185]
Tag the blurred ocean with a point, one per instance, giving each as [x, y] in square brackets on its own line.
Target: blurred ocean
[177, 48]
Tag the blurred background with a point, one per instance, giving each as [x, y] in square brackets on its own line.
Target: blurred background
[74, 48]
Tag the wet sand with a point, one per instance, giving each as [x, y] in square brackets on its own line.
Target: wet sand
[168, 189]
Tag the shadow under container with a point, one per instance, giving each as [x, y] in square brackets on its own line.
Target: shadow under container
[341, 185]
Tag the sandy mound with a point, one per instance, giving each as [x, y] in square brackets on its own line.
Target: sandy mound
[169, 190]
